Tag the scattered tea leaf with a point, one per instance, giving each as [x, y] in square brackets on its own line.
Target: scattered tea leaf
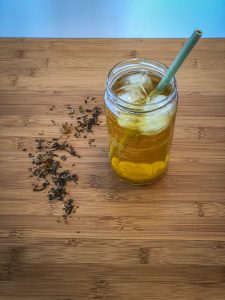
[65, 128]
[81, 109]
[68, 206]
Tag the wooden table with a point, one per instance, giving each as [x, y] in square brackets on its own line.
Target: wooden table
[164, 241]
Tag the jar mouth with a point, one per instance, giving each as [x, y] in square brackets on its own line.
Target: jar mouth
[139, 64]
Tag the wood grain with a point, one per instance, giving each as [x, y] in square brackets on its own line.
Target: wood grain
[164, 241]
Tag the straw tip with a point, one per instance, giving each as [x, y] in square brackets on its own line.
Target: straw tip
[198, 32]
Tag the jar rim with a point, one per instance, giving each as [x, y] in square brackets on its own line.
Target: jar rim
[137, 106]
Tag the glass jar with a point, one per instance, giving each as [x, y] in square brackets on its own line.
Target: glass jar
[140, 132]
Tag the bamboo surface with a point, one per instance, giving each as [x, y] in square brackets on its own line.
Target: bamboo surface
[163, 241]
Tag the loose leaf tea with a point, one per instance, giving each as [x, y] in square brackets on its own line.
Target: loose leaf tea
[62, 178]
[68, 206]
[38, 188]
[40, 145]
[57, 193]
[48, 167]
[65, 128]
[87, 122]
[91, 143]
[48, 159]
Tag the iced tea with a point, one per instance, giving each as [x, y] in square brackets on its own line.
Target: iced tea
[140, 128]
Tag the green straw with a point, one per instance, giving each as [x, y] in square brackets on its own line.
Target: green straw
[181, 56]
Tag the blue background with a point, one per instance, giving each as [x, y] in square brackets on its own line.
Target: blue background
[112, 18]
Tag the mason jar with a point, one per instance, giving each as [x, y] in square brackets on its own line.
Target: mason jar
[140, 127]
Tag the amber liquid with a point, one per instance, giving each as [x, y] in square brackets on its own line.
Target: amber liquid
[135, 156]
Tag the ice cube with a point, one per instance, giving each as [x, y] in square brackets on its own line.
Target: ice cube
[126, 120]
[149, 123]
[157, 99]
[140, 79]
[157, 120]
[133, 93]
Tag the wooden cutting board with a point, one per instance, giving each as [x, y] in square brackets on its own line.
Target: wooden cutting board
[163, 241]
